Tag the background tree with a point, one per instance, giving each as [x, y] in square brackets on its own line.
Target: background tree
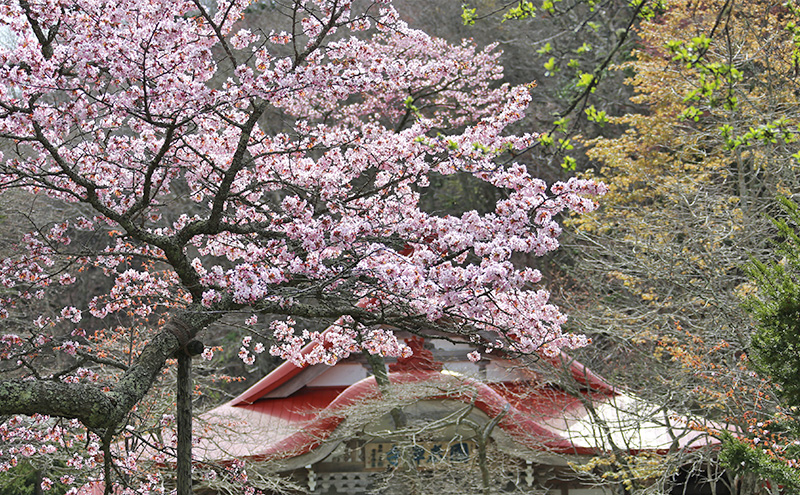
[146, 125]
[771, 446]
[568, 47]
[691, 179]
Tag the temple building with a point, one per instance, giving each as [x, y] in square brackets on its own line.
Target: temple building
[448, 425]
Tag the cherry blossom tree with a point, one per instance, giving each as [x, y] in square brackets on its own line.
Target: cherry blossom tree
[146, 128]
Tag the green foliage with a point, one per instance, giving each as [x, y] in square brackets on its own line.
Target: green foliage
[569, 164]
[599, 117]
[587, 81]
[714, 77]
[523, 10]
[409, 105]
[767, 133]
[691, 113]
[792, 27]
[20, 480]
[578, 40]
[23, 480]
[742, 457]
[647, 9]
[468, 15]
[481, 147]
[776, 309]
[551, 66]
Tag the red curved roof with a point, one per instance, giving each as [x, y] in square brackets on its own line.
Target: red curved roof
[517, 420]
[286, 371]
[537, 417]
[299, 418]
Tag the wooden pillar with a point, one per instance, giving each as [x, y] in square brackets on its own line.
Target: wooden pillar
[184, 419]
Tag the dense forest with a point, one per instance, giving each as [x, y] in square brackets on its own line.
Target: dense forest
[207, 186]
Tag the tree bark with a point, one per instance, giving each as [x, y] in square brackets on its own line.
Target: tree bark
[378, 366]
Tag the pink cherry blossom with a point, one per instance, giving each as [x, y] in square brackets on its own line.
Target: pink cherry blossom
[72, 314]
[143, 124]
[46, 484]
[70, 347]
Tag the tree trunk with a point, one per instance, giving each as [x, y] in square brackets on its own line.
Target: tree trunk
[378, 366]
[482, 440]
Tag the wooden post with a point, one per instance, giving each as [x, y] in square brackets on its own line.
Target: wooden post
[184, 413]
[188, 349]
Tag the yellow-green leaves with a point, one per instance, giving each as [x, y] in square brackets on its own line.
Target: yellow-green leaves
[597, 116]
[551, 66]
[468, 15]
[587, 81]
[522, 10]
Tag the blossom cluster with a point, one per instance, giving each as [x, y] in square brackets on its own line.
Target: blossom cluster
[337, 342]
[40, 437]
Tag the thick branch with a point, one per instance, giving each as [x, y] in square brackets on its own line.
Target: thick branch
[378, 366]
[46, 40]
[68, 400]
[88, 403]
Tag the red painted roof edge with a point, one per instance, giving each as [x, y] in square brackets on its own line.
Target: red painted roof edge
[273, 380]
[282, 373]
[287, 371]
